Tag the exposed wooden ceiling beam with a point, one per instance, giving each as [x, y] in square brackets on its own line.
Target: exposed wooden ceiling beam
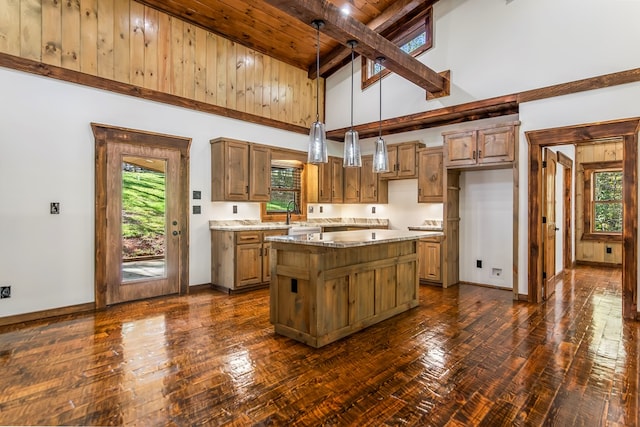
[476, 110]
[370, 44]
[391, 15]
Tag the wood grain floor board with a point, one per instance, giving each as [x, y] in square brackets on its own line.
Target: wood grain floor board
[467, 356]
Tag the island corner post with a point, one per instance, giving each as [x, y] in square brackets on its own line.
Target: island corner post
[322, 290]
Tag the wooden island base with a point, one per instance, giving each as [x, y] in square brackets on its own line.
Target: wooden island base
[321, 294]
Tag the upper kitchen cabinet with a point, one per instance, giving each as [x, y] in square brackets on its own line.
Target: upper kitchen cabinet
[330, 183]
[402, 160]
[489, 146]
[430, 171]
[240, 171]
[363, 185]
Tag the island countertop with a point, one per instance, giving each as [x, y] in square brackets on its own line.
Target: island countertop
[354, 238]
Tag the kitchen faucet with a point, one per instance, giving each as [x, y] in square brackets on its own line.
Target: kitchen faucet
[290, 210]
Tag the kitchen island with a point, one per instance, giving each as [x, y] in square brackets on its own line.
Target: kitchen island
[325, 286]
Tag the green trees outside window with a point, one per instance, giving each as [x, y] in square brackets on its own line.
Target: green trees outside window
[607, 201]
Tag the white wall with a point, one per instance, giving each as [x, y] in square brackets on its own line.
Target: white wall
[494, 47]
[47, 154]
[486, 232]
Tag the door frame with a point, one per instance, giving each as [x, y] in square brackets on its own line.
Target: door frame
[627, 129]
[567, 212]
[104, 134]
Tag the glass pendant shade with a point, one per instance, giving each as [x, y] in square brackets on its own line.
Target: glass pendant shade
[352, 156]
[381, 157]
[317, 144]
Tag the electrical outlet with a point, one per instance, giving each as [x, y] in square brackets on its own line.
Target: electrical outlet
[310, 209]
[497, 272]
[373, 209]
[609, 250]
[197, 195]
[235, 209]
[478, 263]
[5, 292]
[320, 209]
[54, 208]
[197, 210]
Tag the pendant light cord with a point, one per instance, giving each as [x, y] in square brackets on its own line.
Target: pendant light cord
[380, 84]
[318, 74]
[352, 59]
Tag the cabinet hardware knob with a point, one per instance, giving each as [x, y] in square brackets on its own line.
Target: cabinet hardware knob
[175, 233]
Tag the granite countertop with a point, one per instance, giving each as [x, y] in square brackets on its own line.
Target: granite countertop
[428, 225]
[253, 224]
[349, 239]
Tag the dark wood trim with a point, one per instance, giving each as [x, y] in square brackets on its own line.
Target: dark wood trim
[104, 134]
[591, 83]
[45, 314]
[587, 133]
[493, 107]
[484, 285]
[564, 160]
[600, 237]
[598, 264]
[59, 73]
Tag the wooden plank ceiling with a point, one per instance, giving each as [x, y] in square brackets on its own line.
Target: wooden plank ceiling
[279, 30]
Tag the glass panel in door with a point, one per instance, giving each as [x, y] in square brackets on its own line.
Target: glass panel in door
[144, 225]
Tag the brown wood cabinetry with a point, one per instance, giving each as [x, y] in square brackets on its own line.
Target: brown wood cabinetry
[430, 259]
[240, 259]
[430, 173]
[363, 185]
[492, 146]
[240, 171]
[330, 181]
[402, 161]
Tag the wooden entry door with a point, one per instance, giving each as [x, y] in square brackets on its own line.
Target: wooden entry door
[143, 231]
[549, 225]
[142, 221]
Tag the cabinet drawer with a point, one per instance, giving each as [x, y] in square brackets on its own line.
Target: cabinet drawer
[243, 237]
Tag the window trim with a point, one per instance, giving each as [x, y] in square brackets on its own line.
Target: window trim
[400, 37]
[588, 203]
[285, 154]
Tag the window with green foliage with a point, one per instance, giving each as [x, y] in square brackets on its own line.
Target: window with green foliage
[286, 187]
[413, 37]
[602, 196]
[607, 201]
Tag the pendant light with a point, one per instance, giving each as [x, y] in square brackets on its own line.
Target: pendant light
[381, 156]
[317, 134]
[352, 157]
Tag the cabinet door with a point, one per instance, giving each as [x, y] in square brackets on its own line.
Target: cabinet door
[351, 185]
[368, 181]
[248, 264]
[460, 149]
[393, 163]
[266, 262]
[237, 170]
[325, 182]
[260, 173]
[430, 171]
[337, 180]
[406, 160]
[496, 145]
[429, 261]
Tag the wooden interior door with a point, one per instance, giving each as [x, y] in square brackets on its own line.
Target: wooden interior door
[132, 275]
[549, 223]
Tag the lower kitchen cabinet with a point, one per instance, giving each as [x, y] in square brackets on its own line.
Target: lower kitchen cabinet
[240, 259]
[430, 259]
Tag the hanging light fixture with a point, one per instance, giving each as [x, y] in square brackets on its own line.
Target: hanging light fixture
[352, 157]
[317, 134]
[381, 156]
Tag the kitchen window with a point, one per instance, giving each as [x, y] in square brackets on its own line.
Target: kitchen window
[287, 192]
[413, 37]
[603, 201]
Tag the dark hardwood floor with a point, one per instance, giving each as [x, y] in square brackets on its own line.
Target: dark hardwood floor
[466, 356]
